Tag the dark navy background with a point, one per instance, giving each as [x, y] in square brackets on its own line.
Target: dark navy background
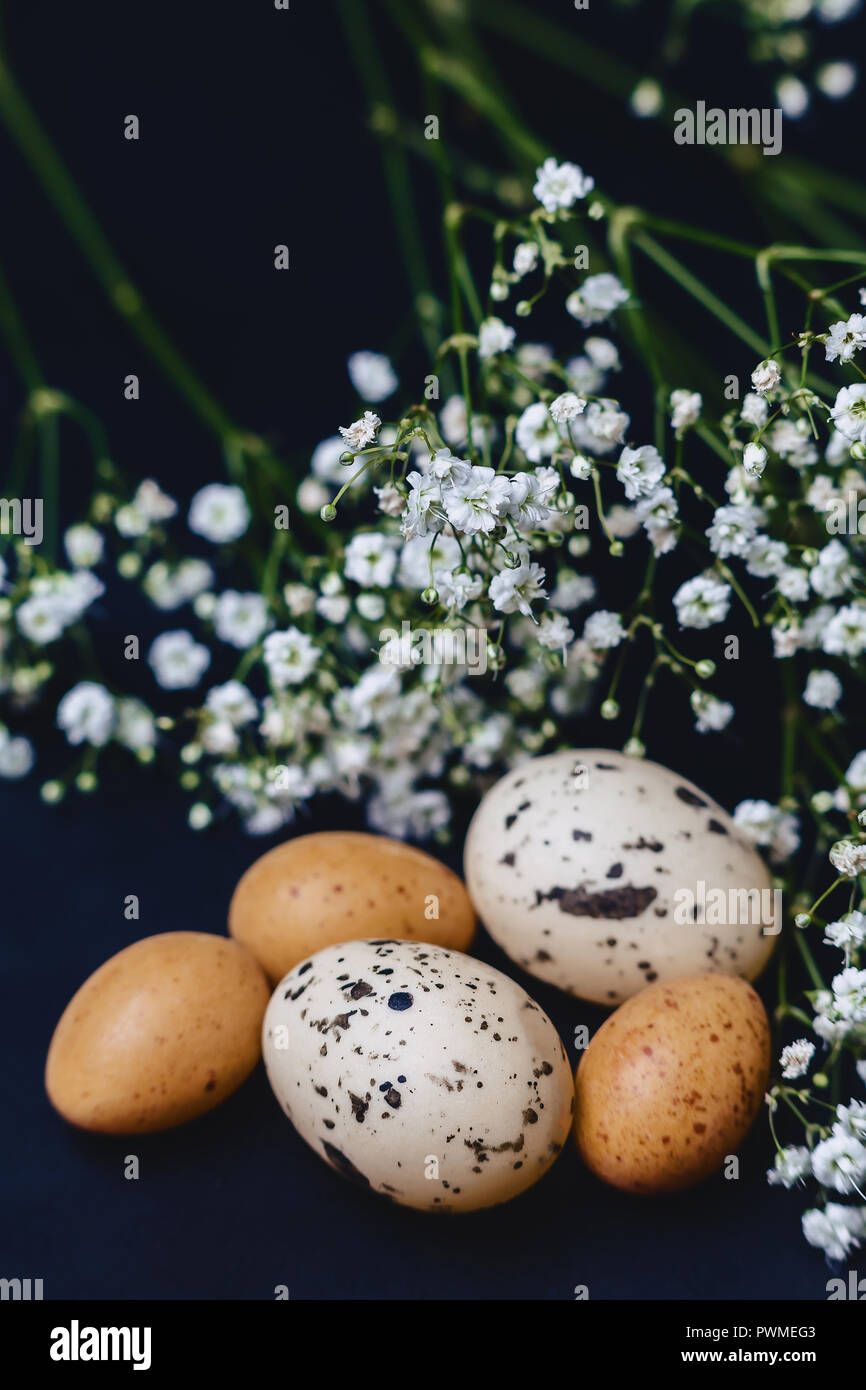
[253, 133]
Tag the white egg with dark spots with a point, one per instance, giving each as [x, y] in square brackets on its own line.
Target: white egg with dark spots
[601, 873]
[419, 1073]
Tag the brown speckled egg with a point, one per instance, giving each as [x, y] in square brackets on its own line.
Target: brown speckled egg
[602, 873]
[418, 1073]
[160, 1033]
[340, 885]
[671, 1083]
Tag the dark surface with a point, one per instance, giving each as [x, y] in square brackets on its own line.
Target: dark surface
[254, 134]
[235, 1203]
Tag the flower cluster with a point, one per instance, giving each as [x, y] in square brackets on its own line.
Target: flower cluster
[781, 35]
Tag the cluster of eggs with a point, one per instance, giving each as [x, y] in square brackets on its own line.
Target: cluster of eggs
[422, 1073]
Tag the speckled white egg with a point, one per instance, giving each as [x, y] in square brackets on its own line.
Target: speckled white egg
[419, 1073]
[601, 873]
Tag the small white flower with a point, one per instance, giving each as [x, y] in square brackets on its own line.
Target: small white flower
[790, 1166]
[840, 1162]
[515, 590]
[658, 515]
[793, 582]
[796, 1058]
[848, 933]
[423, 506]
[836, 1230]
[733, 529]
[536, 434]
[370, 560]
[494, 337]
[768, 826]
[702, 601]
[581, 468]
[41, 619]
[765, 557]
[823, 690]
[834, 571]
[219, 512]
[792, 96]
[372, 376]
[136, 726]
[84, 545]
[177, 660]
[848, 858]
[567, 407]
[766, 377]
[686, 407]
[290, 657]
[713, 715]
[475, 504]
[603, 630]
[554, 632]
[754, 459]
[170, 588]
[849, 412]
[390, 499]
[530, 496]
[845, 338]
[845, 633]
[17, 756]
[560, 185]
[240, 619]
[754, 410]
[86, 714]
[640, 470]
[456, 588]
[152, 503]
[851, 1119]
[525, 257]
[849, 995]
[361, 432]
[597, 298]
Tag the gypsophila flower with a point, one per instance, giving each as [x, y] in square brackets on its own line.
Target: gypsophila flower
[851, 1119]
[17, 756]
[177, 661]
[754, 460]
[219, 512]
[766, 377]
[849, 412]
[515, 590]
[845, 338]
[494, 337]
[640, 470]
[240, 619]
[713, 715]
[823, 690]
[475, 503]
[603, 630]
[836, 1230]
[796, 1058]
[554, 632]
[849, 858]
[567, 407]
[361, 432]
[84, 546]
[86, 714]
[733, 529]
[840, 1162]
[135, 726]
[845, 633]
[702, 601]
[290, 657]
[686, 407]
[536, 434]
[370, 560]
[790, 1166]
[755, 410]
[525, 257]
[769, 827]
[848, 933]
[560, 185]
[372, 376]
[597, 298]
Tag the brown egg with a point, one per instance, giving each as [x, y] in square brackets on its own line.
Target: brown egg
[160, 1033]
[671, 1083]
[339, 885]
